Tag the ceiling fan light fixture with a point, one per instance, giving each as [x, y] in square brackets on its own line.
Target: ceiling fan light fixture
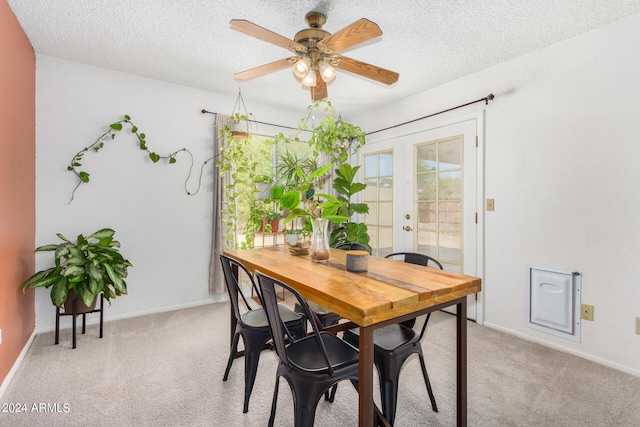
[310, 78]
[327, 72]
[301, 67]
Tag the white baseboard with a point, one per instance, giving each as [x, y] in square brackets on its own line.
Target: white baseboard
[604, 362]
[16, 365]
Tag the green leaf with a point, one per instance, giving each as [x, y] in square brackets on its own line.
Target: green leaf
[74, 270]
[46, 248]
[356, 187]
[142, 136]
[134, 129]
[86, 295]
[154, 157]
[319, 172]
[172, 160]
[329, 197]
[336, 218]
[59, 292]
[361, 208]
[116, 126]
[42, 278]
[84, 177]
[126, 117]
[102, 233]
[94, 286]
[94, 271]
[69, 168]
[115, 278]
[290, 200]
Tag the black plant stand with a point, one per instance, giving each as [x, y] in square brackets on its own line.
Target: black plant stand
[74, 315]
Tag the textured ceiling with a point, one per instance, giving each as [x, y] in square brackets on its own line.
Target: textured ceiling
[188, 42]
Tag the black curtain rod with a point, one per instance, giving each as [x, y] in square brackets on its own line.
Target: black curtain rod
[486, 100]
[262, 123]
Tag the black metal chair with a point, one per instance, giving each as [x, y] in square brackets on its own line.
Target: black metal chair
[393, 345]
[311, 365]
[416, 258]
[251, 324]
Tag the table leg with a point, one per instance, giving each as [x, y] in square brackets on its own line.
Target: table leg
[365, 381]
[461, 361]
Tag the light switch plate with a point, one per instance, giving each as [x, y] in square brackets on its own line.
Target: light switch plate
[490, 204]
[586, 312]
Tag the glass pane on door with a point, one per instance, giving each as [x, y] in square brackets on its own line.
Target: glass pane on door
[378, 175]
[438, 200]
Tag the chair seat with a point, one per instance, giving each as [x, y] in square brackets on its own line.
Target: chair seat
[305, 354]
[388, 338]
[258, 318]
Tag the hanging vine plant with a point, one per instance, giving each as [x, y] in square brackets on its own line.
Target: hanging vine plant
[333, 137]
[114, 128]
[238, 172]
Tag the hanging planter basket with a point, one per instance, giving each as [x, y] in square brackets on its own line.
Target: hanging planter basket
[238, 122]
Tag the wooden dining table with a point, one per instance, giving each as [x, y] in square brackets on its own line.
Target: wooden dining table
[388, 292]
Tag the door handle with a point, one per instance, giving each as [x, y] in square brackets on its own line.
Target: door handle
[407, 228]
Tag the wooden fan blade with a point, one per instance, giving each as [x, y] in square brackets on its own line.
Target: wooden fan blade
[367, 70]
[268, 36]
[319, 92]
[262, 70]
[351, 35]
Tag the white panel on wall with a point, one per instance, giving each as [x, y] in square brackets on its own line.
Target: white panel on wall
[553, 302]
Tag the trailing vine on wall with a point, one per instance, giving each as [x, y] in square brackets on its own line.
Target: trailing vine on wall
[109, 135]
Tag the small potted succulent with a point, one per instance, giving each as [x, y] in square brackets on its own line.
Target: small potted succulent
[83, 269]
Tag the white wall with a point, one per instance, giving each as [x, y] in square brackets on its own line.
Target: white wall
[165, 233]
[562, 163]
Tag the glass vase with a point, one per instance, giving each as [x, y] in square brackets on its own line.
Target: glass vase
[319, 250]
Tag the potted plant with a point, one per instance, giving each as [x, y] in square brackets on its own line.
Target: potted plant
[263, 184]
[297, 238]
[272, 219]
[85, 268]
[238, 125]
[349, 232]
[319, 207]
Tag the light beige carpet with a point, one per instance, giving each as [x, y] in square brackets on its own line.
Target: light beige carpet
[166, 370]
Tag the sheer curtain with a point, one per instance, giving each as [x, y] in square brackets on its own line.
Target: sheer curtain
[216, 280]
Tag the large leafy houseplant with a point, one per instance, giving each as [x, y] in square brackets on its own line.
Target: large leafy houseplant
[88, 267]
[350, 231]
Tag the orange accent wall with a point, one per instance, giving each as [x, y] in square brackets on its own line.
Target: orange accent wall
[17, 186]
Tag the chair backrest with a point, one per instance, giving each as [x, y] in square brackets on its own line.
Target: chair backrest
[419, 259]
[278, 329]
[231, 269]
[416, 258]
[354, 247]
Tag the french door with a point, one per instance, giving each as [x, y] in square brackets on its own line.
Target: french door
[422, 191]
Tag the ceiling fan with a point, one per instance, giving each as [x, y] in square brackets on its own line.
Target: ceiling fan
[317, 53]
